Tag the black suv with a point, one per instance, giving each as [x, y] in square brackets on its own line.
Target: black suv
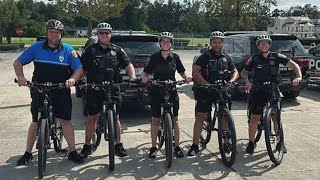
[139, 46]
[243, 45]
[314, 71]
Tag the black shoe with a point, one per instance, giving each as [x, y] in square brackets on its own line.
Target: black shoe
[193, 150]
[75, 157]
[120, 151]
[250, 147]
[226, 148]
[86, 151]
[25, 159]
[178, 152]
[153, 152]
[284, 148]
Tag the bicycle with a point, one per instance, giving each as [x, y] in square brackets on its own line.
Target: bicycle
[48, 126]
[107, 122]
[166, 129]
[270, 120]
[227, 137]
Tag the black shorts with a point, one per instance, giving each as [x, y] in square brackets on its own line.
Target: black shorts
[206, 99]
[95, 100]
[258, 99]
[156, 101]
[61, 103]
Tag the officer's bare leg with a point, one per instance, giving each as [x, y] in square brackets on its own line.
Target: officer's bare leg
[176, 131]
[68, 133]
[253, 125]
[32, 134]
[200, 117]
[91, 127]
[155, 123]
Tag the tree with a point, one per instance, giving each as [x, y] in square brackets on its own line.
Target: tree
[92, 10]
[8, 15]
[308, 10]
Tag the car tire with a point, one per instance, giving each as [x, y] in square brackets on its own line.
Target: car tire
[291, 94]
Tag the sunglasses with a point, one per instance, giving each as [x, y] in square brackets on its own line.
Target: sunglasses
[102, 33]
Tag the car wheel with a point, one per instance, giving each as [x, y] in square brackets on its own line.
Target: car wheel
[291, 94]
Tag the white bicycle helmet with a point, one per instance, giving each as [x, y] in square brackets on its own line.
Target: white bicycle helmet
[104, 26]
[164, 35]
[263, 38]
[217, 34]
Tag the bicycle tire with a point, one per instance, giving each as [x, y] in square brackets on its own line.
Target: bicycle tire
[206, 130]
[58, 136]
[96, 138]
[42, 143]
[228, 156]
[111, 132]
[276, 155]
[168, 139]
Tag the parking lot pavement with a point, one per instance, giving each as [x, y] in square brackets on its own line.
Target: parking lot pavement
[300, 120]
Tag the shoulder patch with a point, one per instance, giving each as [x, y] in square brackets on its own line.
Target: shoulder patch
[74, 53]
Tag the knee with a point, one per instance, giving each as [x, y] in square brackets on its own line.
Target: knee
[254, 119]
[155, 121]
[201, 116]
[33, 126]
[65, 122]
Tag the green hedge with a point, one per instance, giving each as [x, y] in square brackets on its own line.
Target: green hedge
[10, 47]
[307, 42]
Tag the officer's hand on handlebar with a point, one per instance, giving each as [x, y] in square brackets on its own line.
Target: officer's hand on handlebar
[188, 79]
[70, 82]
[144, 79]
[248, 86]
[22, 81]
[296, 81]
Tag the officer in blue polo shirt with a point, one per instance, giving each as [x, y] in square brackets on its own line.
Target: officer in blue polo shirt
[54, 62]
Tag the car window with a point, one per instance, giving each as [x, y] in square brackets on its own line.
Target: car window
[135, 48]
[239, 45]
[285, 47]
[227, 45]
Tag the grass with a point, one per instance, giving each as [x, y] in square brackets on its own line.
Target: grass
[71, 41]
[195, 41]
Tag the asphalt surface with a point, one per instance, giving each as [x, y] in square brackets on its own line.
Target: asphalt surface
[300, 121]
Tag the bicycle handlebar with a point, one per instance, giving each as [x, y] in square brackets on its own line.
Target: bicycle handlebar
[43, 85]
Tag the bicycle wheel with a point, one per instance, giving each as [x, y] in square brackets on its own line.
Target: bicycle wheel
[96, 138]
[206, 130]
[227, 137]
[273, 135]
[168, 139]
[110, 133]
[57, 136]
[42, 143]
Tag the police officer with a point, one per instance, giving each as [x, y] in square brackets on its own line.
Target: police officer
[52, 63]
[266, 68]
[163, 65]
[96, 59]
[213, 65]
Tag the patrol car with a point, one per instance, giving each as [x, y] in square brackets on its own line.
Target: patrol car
[314, 68]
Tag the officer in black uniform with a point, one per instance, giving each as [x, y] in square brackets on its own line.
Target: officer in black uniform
[163, 65]
[213, 65]
[97, 60]
[265, 66]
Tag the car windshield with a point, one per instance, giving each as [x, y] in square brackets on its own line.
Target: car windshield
[285, 47]
[134, 49]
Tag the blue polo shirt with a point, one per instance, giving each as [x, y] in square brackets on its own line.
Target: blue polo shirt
[51, 65]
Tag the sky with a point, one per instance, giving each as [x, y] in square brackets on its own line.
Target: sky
[282, 4]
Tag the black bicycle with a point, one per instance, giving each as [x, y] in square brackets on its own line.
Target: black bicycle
[226, 129]
[270, 121]
[48, 126]
[166, 129]
[107, 122]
